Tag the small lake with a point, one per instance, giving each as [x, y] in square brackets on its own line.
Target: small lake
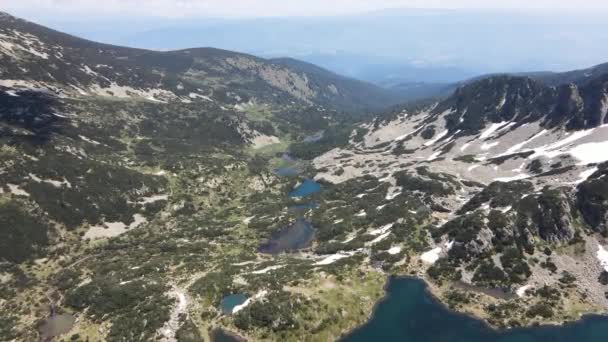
[297, 236]
[56, 325]
[307, 188]
[219, 335]
[409, 313]
[287, 171]
[230, 302]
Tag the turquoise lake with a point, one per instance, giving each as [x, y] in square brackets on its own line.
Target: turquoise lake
[408, 313]
[307, 188]
[230, 302]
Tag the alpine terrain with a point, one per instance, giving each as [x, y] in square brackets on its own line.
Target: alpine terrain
[203, 194]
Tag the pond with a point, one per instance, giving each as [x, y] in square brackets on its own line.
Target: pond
[287, 171]
[297, 236]
[56, 325]
[307, 188]
[219, 335]
[409, 313]
[230, 302]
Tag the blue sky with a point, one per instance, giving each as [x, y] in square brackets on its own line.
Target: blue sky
[265, 8]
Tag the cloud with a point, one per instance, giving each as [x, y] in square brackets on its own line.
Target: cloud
[265, 8]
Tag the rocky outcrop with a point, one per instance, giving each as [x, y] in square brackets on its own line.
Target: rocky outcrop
[521, 100]
[592, 199]
[549, 214]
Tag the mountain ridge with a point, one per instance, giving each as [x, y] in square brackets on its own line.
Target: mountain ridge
[208, 61]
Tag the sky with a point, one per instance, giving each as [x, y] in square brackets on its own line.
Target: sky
[267, 8]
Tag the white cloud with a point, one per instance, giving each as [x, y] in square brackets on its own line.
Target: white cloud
[264, 8]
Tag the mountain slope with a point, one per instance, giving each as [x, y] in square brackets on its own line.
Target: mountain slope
[512, 174]
[578, 77]
[49, 58]
[127, 177]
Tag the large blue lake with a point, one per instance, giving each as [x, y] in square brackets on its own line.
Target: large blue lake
[409, 314]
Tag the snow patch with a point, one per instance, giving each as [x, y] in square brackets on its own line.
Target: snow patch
[392, 196]
[381, 230]
[590, 153]
[333, 258]
[257, 296]
[437, 138]
[153, 199]
[54, 183]
[517, 147]
[602, 256]
[380, 238]
[521, 292]
[492, 129]
[394, 250]
[111, 229]
[90, 141]
[583, 176]
[362, 213]
[434, 156]
[487, 146]
[268, 269]
[16, 190]
[430, 257]
[511, 179]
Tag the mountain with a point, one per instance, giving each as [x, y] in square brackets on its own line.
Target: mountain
[125, 172]
[80, 66]
[577, 76]
[420, 90]
[508, 178]
[432, 45]
[387, 72]
[352, 95]
[180, 195]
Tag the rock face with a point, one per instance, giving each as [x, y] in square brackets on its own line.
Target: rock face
[523, 100]
[548, 216]
[592, 199]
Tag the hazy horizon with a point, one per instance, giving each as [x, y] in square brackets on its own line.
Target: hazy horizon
[379, 45]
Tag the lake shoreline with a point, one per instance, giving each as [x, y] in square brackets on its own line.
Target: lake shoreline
[479, 320]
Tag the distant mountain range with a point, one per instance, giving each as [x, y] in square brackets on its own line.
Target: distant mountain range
[414, 91]
[386, 47]
[74, 63]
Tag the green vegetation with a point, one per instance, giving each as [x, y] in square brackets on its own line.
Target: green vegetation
[431, 187]
[138, 308]
[23, 235]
